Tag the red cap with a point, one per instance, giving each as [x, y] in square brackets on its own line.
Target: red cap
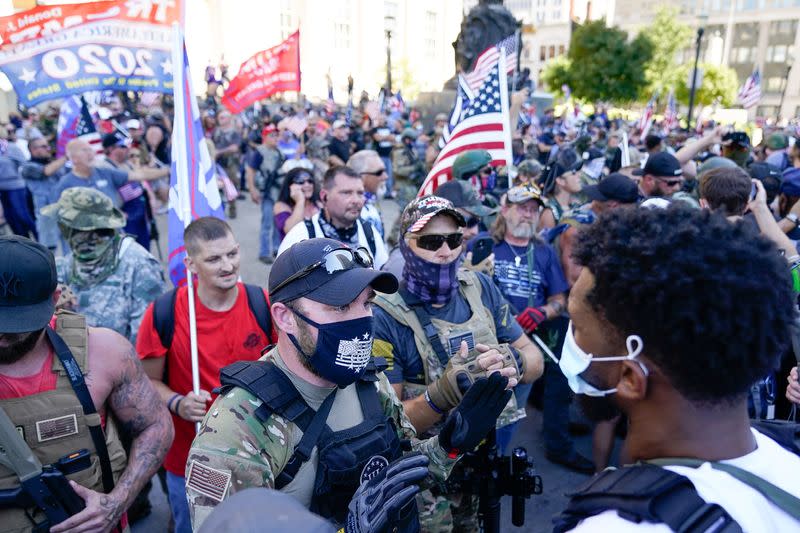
[269, 128]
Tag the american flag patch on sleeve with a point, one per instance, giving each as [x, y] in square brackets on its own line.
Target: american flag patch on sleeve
[208, 481]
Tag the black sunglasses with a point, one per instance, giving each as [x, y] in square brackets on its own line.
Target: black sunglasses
[376, 172]
[336, 260]
[302, 178]
[433, 242]
[670, 183]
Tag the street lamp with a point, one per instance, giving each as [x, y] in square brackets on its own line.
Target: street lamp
[789, 63]
[388, 26]
[700, 31]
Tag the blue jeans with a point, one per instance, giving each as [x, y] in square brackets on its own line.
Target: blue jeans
[178, 504]
[17, 213]
[268, 239]
[387, 162]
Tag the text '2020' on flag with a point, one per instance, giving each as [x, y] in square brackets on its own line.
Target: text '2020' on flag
[270, 71]
[50, 52]
[483, 125]
[193, 189]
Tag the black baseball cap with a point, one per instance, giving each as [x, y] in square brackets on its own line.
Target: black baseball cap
[463, 196]
[761, 170]
[615, 186]
[662, 164]
[115, 139]
[739, 138]
[337, 288]
[28, 279]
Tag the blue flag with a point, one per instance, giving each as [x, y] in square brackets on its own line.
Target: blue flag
[193, 189]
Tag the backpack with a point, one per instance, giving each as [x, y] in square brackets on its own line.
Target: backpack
[369, 233]
[164, 313]
[647, 492]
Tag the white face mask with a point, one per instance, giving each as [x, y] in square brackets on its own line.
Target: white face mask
[574, 361]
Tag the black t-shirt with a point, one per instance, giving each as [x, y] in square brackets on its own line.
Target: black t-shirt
[340, 149]
[384, 148]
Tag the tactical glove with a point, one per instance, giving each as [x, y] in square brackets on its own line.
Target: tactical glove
[530, 318]
[475, 416]
[377, 504]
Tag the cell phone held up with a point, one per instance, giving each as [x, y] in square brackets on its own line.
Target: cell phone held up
[482, 249]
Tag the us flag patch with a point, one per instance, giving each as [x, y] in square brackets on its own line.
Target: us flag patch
[208, 481]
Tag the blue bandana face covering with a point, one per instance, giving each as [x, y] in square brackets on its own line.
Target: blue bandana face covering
[432, 283]
[343, 349]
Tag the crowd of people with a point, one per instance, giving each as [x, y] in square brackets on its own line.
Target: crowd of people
[379, 353]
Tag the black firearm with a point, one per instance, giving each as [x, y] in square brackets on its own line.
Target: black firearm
[491, 476]
[45, 488]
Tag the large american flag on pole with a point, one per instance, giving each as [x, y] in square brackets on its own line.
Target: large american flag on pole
[750, 93]
[193, 189]
[487, 60]
[483, 125]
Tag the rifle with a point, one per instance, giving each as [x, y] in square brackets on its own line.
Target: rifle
[490, 475]
[45, 488]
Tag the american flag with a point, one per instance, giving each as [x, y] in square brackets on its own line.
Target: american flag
[75, 122]
[396, 103]
[487, 60]
[348, 114]
[671, 113]
[482, 126]
[646, 119]
[750, 93]
[463, 98]
[330, 105]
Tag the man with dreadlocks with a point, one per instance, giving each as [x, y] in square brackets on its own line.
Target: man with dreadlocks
[112, 277]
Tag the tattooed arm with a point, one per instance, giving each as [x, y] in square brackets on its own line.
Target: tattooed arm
[117, 381]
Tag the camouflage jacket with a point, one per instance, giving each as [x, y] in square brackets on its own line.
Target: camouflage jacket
[234, 451]
[119, 301]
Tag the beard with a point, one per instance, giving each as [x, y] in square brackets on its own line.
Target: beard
[598, 409]
[524, 230]
[19, 344]
[308, 346]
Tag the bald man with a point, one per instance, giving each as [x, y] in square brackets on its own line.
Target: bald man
[106, 180]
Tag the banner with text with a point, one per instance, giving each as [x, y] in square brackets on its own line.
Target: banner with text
[270, 71]
[127, 53]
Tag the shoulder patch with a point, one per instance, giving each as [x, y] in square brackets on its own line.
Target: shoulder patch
[208, 481]
[382, 348]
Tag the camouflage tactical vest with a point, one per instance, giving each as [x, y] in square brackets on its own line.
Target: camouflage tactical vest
[480, 324]
[53, 425]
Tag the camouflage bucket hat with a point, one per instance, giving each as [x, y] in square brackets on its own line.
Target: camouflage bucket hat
[421, 210]
[83, 208]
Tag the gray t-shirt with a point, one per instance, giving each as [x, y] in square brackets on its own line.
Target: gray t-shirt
[105, 180]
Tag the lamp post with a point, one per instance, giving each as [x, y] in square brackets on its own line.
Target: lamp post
[388, 26]
[700, 31]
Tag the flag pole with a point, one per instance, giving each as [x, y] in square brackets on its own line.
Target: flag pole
[185, 207]
[504, 109]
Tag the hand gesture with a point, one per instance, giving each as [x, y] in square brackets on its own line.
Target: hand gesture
[102, 512]
[296, 193]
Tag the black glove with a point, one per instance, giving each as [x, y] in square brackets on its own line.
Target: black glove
[475, 416]
[376, 505]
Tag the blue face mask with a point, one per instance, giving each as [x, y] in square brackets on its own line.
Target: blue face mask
[343, 349]
[574, 361]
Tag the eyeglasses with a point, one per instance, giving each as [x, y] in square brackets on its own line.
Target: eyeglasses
[670, 183]
[379, 172]
[433, 242]
[302, 178]
[336, 260]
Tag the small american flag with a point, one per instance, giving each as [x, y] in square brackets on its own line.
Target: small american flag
[646, 119]
[488, 59]
[750, 93]
[483, 125]
[396, 103]
[75, 122]
[671, 113]
[330, 105]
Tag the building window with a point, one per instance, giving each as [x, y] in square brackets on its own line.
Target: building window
[775, 84]
[551, 51]
[561, 49]
[542, 53]
[777, 53]
[341, 35]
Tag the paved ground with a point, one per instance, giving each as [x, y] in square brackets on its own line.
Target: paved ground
[539, 509]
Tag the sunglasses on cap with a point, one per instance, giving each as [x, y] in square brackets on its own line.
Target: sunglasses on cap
[337, 260]
[433, 242]
[300, 179]
[378, 172]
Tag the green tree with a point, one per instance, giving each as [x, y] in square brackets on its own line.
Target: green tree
[556, 73]
[604, 65]
[719, 83]
[669, 37]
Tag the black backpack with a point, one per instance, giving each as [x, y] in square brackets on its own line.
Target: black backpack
[164, 313]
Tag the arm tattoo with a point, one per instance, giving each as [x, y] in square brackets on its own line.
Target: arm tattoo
[140, 411]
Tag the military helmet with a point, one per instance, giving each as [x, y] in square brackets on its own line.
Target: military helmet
[85, 209]
[469, 163]
[409, 133]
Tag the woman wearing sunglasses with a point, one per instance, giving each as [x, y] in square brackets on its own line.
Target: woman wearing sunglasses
[298, 200]
[444, 316]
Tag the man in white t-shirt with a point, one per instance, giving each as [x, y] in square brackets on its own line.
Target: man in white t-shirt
[342, 197]
[684, 310]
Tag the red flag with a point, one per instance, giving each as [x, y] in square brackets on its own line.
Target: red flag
[270, 71]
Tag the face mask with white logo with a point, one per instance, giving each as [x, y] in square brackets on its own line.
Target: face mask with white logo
[574, 361]
[343, 349]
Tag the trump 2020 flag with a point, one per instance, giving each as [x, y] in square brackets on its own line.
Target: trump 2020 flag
[193, 189]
